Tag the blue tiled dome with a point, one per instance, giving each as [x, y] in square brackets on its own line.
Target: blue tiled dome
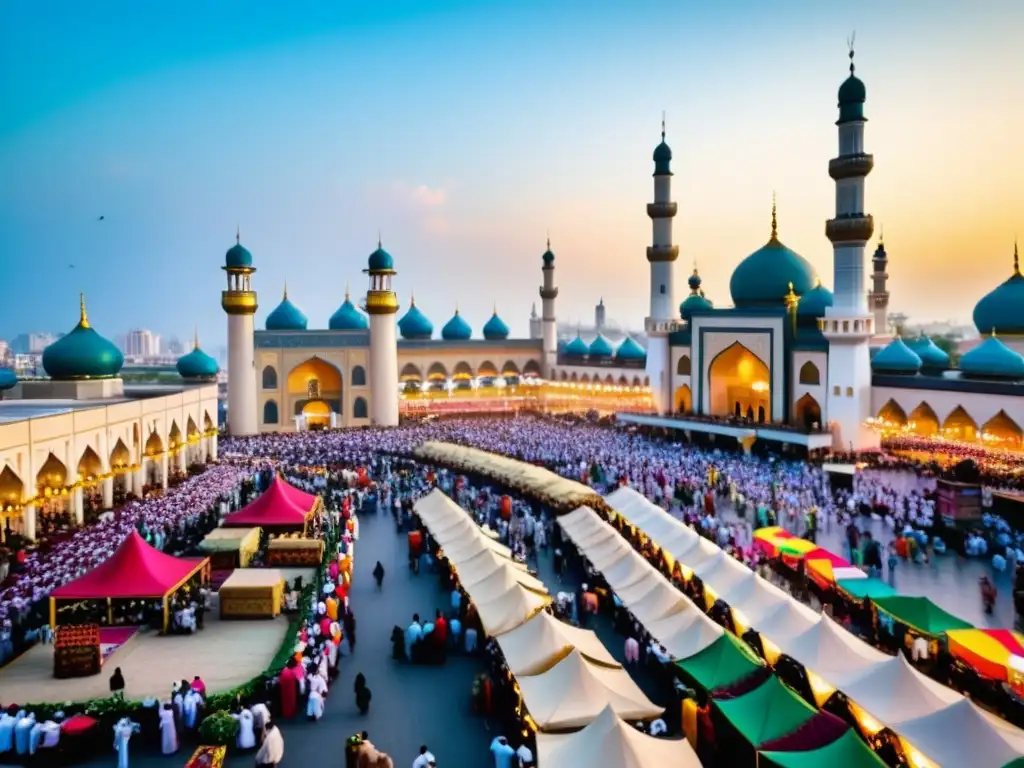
[576, 348]
[380, 260]
[992, 359]
[286, 317]
[897, 357]
[852, 95]
[548, 257]
[932, 357]
[456, 329]
[414, 324]
[763, 278]
[600, 347]
[197, 364]
[238, 257]
[8, 378]
[814, 303]
[82, 354]
[495, 329]
[630, 350]
[348, 318]
[662, 158]
[1002, 310]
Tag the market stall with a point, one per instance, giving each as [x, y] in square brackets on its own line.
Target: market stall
[848, 751]
[281, 508]
[230, 548]
[540, 643]
[294, 551]
[996, 654]
[963, 735]
[722, 664]
[252, 593]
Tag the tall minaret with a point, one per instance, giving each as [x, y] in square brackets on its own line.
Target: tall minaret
[535, 330]
[661, 255]
[239, 301]
[878, 299]
[848, 324]
[599, 315]
[549, 329]
[381, 306]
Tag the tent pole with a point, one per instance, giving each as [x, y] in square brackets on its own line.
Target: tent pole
[110, 613]
[53, 613]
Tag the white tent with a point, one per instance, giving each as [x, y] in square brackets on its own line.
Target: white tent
[738, 589]
[788, 619]
[592, 538]
[499, 582]
[465, 549]
[697, 553]
[685, 633]
[664, 600]
[721, 572]
[448, 530]
[763, 600]
[638, 589]
[610, 742]
[478, 568]
[626, 501]
[510, 609]
[435, 507]
[828, 650]
[628, 571]
[607, 552]
[579, 521]
[534, 647]
[574, 691]
[679, 540]
[964, 735]
[663, 527]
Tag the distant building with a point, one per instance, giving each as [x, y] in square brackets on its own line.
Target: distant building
[32, 343]
[141, 343]
[599, 316]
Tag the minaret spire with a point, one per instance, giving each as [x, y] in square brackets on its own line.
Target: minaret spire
[285, 289]
[83, 316]
[238, 235]
[849, 44]
[1016, 259]
[775, 219]
[195, 338]
[347, 292]
[663, 125]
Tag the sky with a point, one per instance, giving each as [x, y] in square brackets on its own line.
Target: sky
[466, 133]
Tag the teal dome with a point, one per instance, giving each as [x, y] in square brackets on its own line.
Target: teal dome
[694, 281]
[414, 324]
[197, 364]
[82, 354]
[495, 328]
[456, 329]
[1002, 310]
[630, 350]
[695, 302]
[662, 158]
[286, 317]
[576, 348]
[852, 95]
[548, 257]
[897, 357]
[600, 347]
[8, 378]
[993, 359]
[932, 357]
[238, 257]
[814, 303]
[348, 318]
[380, 261]
[763, 278]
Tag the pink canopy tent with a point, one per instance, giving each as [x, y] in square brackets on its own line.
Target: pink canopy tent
[135, 571]
[280, 507]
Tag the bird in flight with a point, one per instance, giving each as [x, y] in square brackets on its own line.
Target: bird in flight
[71, 266]
[101, 218]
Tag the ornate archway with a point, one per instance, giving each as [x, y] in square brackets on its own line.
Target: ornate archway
[807, 412]
[959, 425]
[411, 378]
[923, 421]
[892, 415]
[510, 370]
[174, 436]
[740, 384]
[154, 445]
[1002, 430]
[683, 366]
[315, 380]
[531, 370]
[487, 370]
[12, 489]
[89, 465]
[683, 400]
[462, 372]
[437, 373]
[53, 474]
[317, 414]
[191, 430]
[809, 374]
[120, 457]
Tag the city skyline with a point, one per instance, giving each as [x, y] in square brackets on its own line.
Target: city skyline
[468, 133]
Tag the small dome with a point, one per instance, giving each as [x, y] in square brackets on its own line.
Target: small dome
[600, 347]
[630, 350]
[348, 318]
[932, 356]
[548, 257]
[814, 303]
[662, 158]
[456, 329]
[380, 260]
[576, 348]
[1002, 309]
[197, 364]
[897, 357]
[286, 316]
[694, 281]
[238, 257]
[495, 329]
[764, 277]
[993, 359]
[852, 95]
[695, 302]
[82, 354]
[414, 324]
[8, 378]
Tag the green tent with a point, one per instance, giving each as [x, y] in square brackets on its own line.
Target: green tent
[723, 663]
[847, 751]
[861, 589]
[768, 712]
[920, 614]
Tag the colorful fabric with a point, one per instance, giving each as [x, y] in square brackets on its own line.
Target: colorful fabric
[847, 751]
[920, 614]
[722, 664]
[864, 589]
[766, 713]
[987, 651]
[280, 506]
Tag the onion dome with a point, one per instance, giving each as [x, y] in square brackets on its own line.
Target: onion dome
[348, 318]
[380, 260]
[695, 302]
[932, 356]
[286, 316]
[495, 328]
[576, 348]
[456, 329]
[763, 278]
[1002, 310]
[662, 155]
[814, 303]
[896, 357]
[414, 324]
[630, 350]
[548, 257]
[197, 364]
[82, 354]
[8, 379]
[992, 359]
[600, 347]
[238, 257]
[852, 95]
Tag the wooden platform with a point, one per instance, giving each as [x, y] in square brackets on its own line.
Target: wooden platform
[224, 654]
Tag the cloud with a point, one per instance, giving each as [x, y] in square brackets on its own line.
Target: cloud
[419, 196]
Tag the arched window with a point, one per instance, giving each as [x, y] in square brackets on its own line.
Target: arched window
[269, 377]
[849, 391]
[359, 408]
[683, 366]
[809, 374]
[359, 376]
[270, 411]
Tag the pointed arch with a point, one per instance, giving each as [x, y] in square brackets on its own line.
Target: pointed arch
[1002, 429]
[270, 412]
[437, 372]
[411, 372]
[892, 414]
[647, 381]
[191, 430]
[207, 422]
[809, 374]
[585, 378]
[637, 382]
[574, 378]
[359, 408]
[487, 370]
[609, 380]
[739, 380]
[12, 489]
[959, 425]
[269, 377]
[564, 376]
[462, 371]
[683, 399]
[923, 421]
[154, 445]
[531, 370]
[315, 378]
[53, 473]
[358, 376]
[510, 369]
[623, 381]
[120, 457]
[807, 412]
[174, 436]
[89, 465]
[683, 366]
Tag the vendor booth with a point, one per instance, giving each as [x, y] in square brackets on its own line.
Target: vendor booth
[230, 548]
[294, 551]
[281, 508]
[135, 573]
[252, 593]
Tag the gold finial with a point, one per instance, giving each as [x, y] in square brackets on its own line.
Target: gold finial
[817, 281]
[663, 125]
[791, 299]
[775, 220]
[346, 291]
[993, 332]
[849, 44]
[1016, 259]
[412, 299]
[238, 235]
[378, 239]
[695, 273]
[195, 339]
[456, 308]
[495, 308]
[83, 317]
[549, 239]
[881, 237]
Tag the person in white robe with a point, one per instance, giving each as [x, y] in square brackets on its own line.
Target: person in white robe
[315, 704]
[246, 734]
[260, 716]
[190, 708]
[168, 730]
[272, 751]
[122, 735]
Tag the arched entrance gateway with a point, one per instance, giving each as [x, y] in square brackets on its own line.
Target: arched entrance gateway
[683, 399]
[315, 390]
[740, 385]
[807, 413]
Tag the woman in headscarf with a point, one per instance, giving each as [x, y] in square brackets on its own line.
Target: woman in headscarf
[363, 694]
